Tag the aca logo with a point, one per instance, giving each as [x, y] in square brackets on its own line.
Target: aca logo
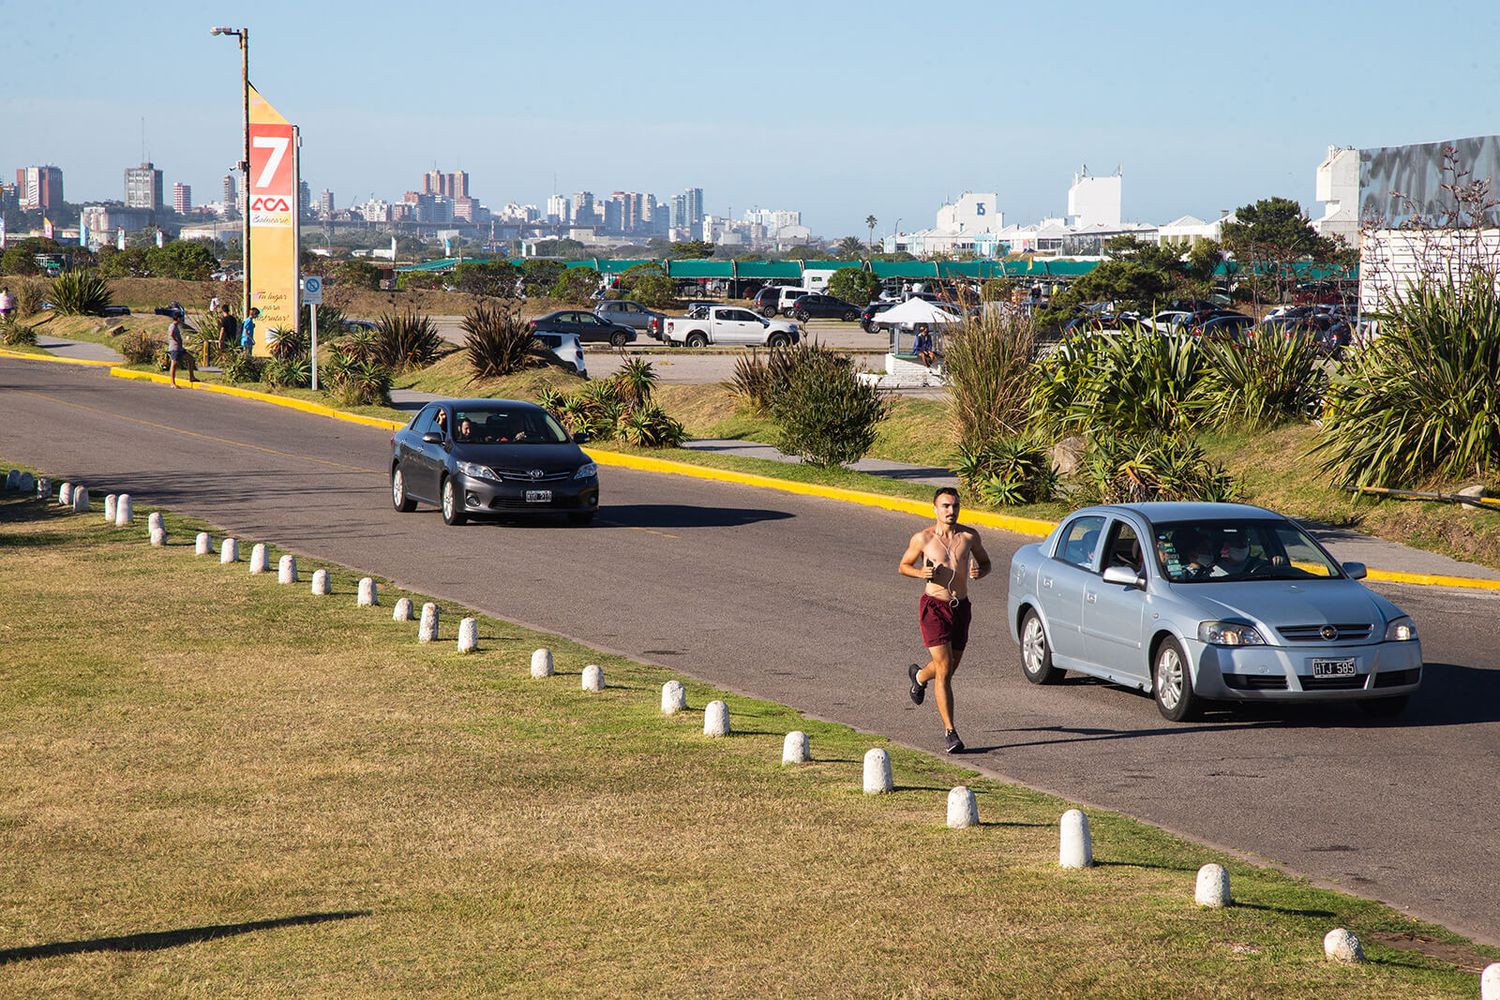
[271, 204]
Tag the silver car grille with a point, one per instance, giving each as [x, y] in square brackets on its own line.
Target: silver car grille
[525, 476]
[1317, 633]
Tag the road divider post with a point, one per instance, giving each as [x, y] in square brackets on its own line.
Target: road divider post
[427, 628]
[369, 595]
[124, 511]
[963, 808]
[468, 635]
[260, 558]
[109, 508]
[286, 569]
[80, 499]
[1342, 945]
[716, 719]
[673, 698]
[541, 663]
[794, 749]
[1212, 889]
[322, 586]
[1075, 846]
[229, 551]
[203, 544]
[593, 678]
[402, 611]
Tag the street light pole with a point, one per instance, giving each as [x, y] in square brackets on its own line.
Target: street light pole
[243, 34]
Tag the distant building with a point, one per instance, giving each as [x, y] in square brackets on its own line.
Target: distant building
[583, 213]
[557, 209]
[687, 215]
[325, 204]
[304, 198]
[104, 219]
[1094, 202]
[1337, 187]
[182, 198]
[374, 210]
[143, 187]
[439, 184]
[40, 188]
[231, 199]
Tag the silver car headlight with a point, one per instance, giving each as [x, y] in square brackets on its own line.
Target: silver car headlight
[1229, 634]
[1401, 629]
[476, 471]
[588, 470]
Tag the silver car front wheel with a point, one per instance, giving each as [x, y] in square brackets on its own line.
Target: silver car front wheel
[1172, 683]
[1036, 655]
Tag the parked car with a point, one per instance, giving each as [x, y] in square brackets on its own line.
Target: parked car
[766, 299]
[566, 351]
[817, 306]
[587, 327]
[730, 325]
[1234, 326]
[1199, 602]
[474, 457]
[787, 294]
[1169, 321]
[623, 312]
[867, 315]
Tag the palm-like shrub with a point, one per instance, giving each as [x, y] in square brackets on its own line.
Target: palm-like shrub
[241, 367]
[139, 347]
[287, 344]
[751, 381]
[595, 409]
[987, 366]
[1134, 469]
[290, 372]
[826, 415]
[650, 426]
[498, 340]
[354, 377]
[14, 333]
[30, 294]
[1264, 381]
[79, 293]
[1007, 472]
[1422, 399]
[635, 381]
[1136, 382]
[406, 341]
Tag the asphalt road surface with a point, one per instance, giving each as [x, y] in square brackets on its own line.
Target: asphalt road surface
[797, 599]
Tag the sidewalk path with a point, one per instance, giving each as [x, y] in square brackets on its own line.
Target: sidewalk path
[82, 350]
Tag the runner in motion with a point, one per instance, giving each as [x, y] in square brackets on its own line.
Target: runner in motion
[946, 556]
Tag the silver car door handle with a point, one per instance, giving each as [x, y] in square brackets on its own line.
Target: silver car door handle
[1091, 596]
[1047, 581]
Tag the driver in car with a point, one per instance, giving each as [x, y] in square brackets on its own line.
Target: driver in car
[1235, 559]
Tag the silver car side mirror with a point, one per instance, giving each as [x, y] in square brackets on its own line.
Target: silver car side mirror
[1124, 576]
[1355, 570]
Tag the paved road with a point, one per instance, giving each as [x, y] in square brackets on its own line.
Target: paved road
[797, 599]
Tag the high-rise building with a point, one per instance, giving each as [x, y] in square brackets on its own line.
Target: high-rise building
[583, 209]
[231, 199]
[304, 198]
[40, 188]
[182, 198]
[143, 187]
[325, 204]
[433, 182]
[458, 184]
[557, 209]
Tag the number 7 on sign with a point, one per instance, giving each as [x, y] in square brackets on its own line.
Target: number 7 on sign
[278, 145]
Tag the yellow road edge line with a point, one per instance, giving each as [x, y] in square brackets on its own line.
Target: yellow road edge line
[1033, 527]
[54, 358]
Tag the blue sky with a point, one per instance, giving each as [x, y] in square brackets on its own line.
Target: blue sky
[840, 110]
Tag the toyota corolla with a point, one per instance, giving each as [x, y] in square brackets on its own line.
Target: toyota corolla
[1198, 603]
[496, 457]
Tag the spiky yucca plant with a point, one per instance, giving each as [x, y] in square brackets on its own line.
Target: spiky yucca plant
[406, 341]
[499, 342]
[1007, 472]
[1267, 380]
[79, 293]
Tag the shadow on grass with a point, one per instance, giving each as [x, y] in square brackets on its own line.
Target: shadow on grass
[157, 940]
[1144, 864]
[1011, 822]
[1289, 910]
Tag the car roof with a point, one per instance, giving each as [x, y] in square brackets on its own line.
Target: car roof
[487, 404]
[1159, 511]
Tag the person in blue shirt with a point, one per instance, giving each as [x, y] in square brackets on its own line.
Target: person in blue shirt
[247, 331]
[922, 347]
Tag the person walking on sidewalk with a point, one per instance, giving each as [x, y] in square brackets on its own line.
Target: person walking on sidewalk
[247, 331]
[176, 353]
[945, 556]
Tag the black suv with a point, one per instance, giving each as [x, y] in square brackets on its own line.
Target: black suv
[818, 306]
[765, 300]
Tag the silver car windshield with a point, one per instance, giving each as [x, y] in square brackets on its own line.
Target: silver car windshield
[1233, 550]
[485, 426]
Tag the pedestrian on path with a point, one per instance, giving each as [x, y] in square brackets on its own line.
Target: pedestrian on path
[7, 303]
[247, 331]
[945, 556]
[228, 326]
[176, 353]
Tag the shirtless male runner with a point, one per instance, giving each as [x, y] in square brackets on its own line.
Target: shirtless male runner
[947, 556]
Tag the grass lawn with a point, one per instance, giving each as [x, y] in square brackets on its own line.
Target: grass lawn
[214, 785]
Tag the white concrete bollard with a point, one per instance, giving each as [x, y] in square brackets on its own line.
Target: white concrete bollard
[1340, 945]
[716, 719]
[321, 586]
[65, 495]
[468, 635]
[878, 772]
[593, 678]
[794, 748]
[260, 558]
[80, 499]
[229, 551]
[13, 480]
[1489, 982]
[369, 595]
[427, 628]
[286, 569]
[203, 544]
[673, 698]
[109, 508]
[28, 483]
[1213, 887]
[402, 612]
[154, 522]
[963, 808]
[158, 537]
[124, 511]
[1075, 848]
[43, 488]
[541, 663]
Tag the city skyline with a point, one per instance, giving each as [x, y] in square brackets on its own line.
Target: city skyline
[862, 124]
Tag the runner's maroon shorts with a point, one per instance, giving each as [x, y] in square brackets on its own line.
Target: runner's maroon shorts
[942, 623]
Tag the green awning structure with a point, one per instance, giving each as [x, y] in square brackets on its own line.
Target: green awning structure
[701, 268]
[831, 265]
[768, 270]
[917, 269]
[604, 266]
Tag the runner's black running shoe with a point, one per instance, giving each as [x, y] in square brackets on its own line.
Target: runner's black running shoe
[951, 742]
[918, 691]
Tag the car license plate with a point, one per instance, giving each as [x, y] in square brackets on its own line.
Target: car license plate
[1333, 668]
[545, 496]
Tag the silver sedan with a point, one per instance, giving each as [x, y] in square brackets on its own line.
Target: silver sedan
[1199, 602]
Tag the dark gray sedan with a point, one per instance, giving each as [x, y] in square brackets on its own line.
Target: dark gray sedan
[1198, 602]
[496, 457]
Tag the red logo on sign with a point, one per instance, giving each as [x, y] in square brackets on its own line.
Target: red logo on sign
[271, 160]
[270, 205]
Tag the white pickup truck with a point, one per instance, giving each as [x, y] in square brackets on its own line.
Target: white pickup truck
[729, 325]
